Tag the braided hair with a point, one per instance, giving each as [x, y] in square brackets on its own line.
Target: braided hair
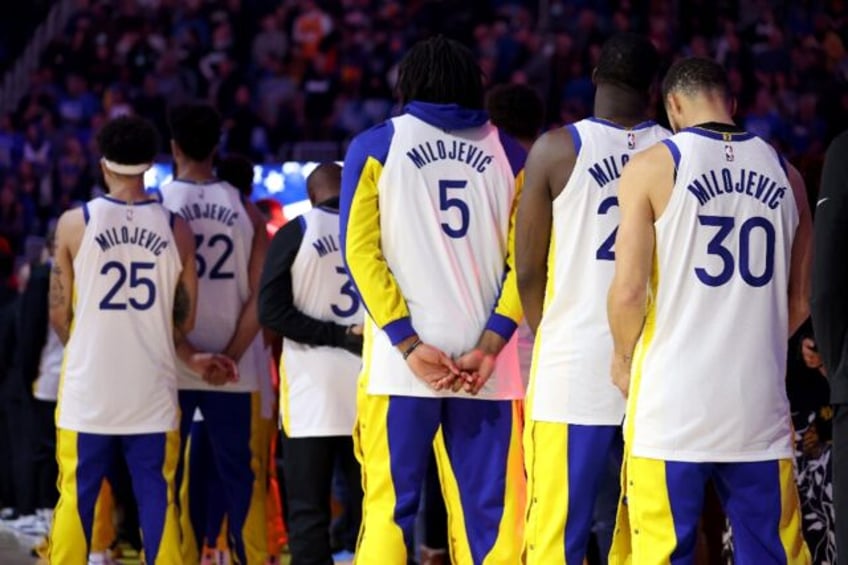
[441, 71]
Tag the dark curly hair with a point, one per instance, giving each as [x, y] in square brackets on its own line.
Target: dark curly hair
[441, 71]
[196, 128]
[128, 140]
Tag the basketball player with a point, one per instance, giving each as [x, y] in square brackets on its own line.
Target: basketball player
[716, 224]
[231, 242]
[564, 256]
[427, 212]
[122, 296]
[238, 171]
[307, 297]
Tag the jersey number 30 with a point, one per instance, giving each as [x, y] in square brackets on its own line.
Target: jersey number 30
[145, 287]
[725, 225]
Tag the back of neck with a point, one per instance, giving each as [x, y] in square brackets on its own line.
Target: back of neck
[130, 191]
[195, 171]
[621, 106]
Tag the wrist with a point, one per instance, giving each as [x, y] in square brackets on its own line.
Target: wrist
[490, 343]
[403, 345]
[411, 349]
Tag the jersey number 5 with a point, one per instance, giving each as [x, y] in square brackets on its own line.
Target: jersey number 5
[447, 203]
[136, 281]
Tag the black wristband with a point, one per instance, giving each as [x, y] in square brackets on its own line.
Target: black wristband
[411, 348]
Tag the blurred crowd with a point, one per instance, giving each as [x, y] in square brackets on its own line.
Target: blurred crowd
[284, 71]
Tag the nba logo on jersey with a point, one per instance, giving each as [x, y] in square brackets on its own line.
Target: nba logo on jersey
[631, 140]
[728, 152]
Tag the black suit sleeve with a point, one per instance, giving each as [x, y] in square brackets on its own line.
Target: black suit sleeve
[33, 322]
[277, 310]
[830, 268]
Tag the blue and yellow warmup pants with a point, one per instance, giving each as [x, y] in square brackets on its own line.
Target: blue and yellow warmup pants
[478, 453]
[232, 422]
[85, 460]
[658, 518]
[565, 464]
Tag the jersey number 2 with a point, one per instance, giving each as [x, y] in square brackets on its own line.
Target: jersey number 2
[217, 270]
[605, 252]
[136, 281]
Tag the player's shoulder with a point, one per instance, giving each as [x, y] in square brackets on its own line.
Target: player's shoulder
[661, 155]
[555, 148]
[515, 153]
[75, 218]
[373, 142]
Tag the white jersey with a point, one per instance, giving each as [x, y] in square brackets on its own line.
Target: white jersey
[709, 371]
[223, 235]
[318, 384]
[449, 260]
[120, 374]
[46, 387]
[571, 382]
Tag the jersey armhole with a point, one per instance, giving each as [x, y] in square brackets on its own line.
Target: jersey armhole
[675, 154]
[301, 220]
[575, 137]
[85, 213]
[157, 194]
[172, 219]
[782, 160]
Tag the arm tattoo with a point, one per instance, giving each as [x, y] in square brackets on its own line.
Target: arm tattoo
[57, 289]
[182, 305]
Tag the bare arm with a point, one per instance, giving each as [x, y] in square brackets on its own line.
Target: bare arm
[548, 168]
[214, 369]
[634, 249]
[185, 297]
[68, 235]
[800, 269]
[248, 323]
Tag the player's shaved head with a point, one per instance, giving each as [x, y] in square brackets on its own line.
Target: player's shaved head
[695, 91]
[695, 75]
[629, 60]
[324, 183]
[441, 71]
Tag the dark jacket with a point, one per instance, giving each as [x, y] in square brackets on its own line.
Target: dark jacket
[830, 269]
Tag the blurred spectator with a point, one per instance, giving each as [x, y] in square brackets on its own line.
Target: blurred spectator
[270, 45]
[325, 70]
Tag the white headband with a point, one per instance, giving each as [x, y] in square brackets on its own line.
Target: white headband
[128, 170]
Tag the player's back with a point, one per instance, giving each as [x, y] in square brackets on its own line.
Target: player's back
[121, 347]
[223, 236]
[319, 388]
[571, 376]
[446, 201]
[713, 353]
